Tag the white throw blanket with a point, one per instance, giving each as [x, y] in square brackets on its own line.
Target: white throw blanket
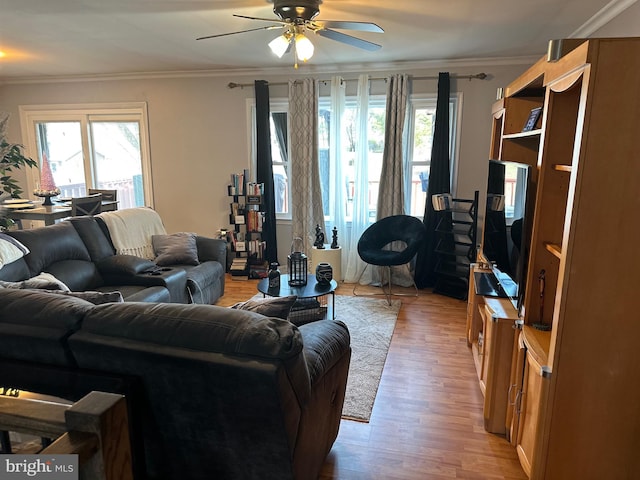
[131, 230]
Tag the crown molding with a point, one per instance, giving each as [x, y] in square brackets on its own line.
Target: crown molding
[607, 13]
[278, 72]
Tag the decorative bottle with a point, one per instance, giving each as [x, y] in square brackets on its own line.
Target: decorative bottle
[274, 276]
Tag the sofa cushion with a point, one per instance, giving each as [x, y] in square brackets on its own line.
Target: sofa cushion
[97, 298]
[10, 249]
[35, 325]
[51, 244]
[78, 275]
[140, 293]
[175, 249]
[278, 307]
[43, 280]
[205, 328]
[94, 237]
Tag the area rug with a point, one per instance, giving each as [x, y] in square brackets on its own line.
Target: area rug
[371, 322]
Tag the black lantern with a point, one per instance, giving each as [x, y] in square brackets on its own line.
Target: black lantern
[297, 264]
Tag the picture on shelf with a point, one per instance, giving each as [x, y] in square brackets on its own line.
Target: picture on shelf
[534, 115]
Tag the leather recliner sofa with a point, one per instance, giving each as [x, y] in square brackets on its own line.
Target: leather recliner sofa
[79, 253]
[213, 392]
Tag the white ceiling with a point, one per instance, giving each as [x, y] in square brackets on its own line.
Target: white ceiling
[97, 37]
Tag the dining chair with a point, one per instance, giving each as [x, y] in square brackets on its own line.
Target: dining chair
[108, 195]
[90, 205]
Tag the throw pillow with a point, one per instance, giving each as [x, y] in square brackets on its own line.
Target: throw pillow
[42, 281]
[97, 298]
[175, 249]
[10, 249]
[278, 307]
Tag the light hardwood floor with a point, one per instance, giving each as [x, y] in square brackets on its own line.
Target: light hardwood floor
[427, 418]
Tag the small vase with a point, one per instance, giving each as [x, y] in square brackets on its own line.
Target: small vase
[324, 273]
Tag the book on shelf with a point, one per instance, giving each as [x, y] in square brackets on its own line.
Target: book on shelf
[239, 263]
[238, 183]
[256, 189]
[254, 220]
[239, 269]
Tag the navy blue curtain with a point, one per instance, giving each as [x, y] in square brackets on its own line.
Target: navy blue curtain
[439, 182]
[264, 172]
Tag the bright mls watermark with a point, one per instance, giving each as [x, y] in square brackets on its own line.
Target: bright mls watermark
[52, 467]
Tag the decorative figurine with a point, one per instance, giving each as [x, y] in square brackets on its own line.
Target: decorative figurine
[319, 243]
[334, 243]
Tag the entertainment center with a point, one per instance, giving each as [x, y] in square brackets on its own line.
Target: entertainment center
[557, 356]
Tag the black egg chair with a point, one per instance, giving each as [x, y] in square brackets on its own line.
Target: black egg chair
[377, 246]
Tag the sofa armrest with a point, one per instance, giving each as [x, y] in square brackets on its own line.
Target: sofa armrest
[325, 343]
[212, 249]
[120, 265]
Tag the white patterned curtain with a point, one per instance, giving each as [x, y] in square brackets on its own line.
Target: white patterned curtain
[391, 193]
[306, 195]
[391, 198]
[360, 215]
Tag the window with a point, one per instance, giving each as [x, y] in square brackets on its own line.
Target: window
[419, 126]
[90, 146]
[421, 119]
[375, 135]
[280, 161]
[278, 110]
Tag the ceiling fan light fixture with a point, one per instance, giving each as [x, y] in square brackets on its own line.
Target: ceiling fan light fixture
[304, 47]
[280, 45]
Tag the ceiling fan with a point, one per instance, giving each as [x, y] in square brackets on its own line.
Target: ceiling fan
[296, 17]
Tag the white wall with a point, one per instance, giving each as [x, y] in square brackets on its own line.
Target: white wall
[198, 127]
[198, 132]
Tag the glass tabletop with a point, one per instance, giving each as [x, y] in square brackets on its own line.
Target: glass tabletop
[311, 289]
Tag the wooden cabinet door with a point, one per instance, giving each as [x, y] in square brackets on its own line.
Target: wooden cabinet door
[484, 347]
[499, 335]
[531, 413]
[474, 322]
[515, 391]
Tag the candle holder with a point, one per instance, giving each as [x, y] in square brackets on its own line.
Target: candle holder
[297, 265]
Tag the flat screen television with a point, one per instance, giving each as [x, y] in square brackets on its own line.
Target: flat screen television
[505, 241]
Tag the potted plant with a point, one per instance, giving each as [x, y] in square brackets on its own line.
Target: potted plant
[11, 159]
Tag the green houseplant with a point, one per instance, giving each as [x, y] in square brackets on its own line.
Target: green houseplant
[11, 159]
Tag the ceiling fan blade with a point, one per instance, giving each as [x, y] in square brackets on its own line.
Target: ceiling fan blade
[348, 39]
[268, 27]
[360, 26]
[272, 20]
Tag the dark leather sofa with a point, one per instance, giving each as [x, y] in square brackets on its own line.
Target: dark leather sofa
[79, 252]
[213, 392]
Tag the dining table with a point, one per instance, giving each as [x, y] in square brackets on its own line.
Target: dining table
[49, 214]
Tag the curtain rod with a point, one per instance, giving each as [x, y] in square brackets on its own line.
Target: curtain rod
[478, 76]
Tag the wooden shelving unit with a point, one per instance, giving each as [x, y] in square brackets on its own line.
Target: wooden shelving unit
[573, 376]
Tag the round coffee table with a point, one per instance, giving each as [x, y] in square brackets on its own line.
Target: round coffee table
[312, 289]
